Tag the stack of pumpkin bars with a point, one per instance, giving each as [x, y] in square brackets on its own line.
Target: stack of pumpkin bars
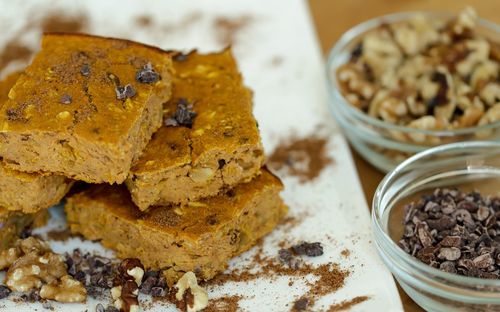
[166, 142]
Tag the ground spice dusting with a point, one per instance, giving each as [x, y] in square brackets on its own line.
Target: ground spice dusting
[224, 304]
[347, 304]
[15, 50]
[144, 20]
[60, 235]
[227, 29]
[182, 25]
[58, 22]
[329, 277]
[304, 158]
[345, 253]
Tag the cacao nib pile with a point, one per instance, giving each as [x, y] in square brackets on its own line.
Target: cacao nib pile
[455, 232]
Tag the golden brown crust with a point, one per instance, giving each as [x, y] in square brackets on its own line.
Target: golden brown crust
[220, 150]
[202, 237]
[94, 136]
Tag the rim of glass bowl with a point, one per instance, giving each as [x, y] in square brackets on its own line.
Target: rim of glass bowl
[393, 248]
[353, 34]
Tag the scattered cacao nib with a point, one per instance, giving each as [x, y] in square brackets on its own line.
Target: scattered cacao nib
[158, 292]
[96, 273]
[124, 92]
[85, 70]
[308, 249]
[66, 99]
[32, 296]
[455, 231]
[183, 116]
[147, 74]
[148, 284]
[180, 57]
[47, 305]
[27, 232]
[4, 291]
[284, 255]
[290, 256]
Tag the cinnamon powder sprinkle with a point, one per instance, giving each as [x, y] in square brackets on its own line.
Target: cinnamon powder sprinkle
[227, 28]
[347, 304]
[59, 22]
[345, 253]
[60, 235]
[304, 158]
[329, 277]
[144, 20]
[14, 50]
[223, 304]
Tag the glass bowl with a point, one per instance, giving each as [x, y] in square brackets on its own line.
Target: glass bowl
[383, 144]
[466, 165]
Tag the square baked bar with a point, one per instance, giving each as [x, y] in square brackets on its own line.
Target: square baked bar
[199, 238]
[28, 192]
[85, 108]
[209, 141]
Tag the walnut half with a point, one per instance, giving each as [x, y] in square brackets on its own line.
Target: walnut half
[191, 296]
[32, 265]
[66, 289]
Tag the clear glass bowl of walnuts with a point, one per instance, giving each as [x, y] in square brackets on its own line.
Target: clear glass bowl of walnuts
[402, 83]
[436, 224]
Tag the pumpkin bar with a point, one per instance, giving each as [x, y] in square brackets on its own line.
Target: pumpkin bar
[209, 141]
[39, 191]
[13, 223]
[201, 237]
[31, 192]
[85, 108]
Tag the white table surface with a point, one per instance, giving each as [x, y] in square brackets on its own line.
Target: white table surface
[289, 97]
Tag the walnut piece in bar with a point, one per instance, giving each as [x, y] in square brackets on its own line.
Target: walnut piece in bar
[199, 238]
[209, 141]
[85, 108]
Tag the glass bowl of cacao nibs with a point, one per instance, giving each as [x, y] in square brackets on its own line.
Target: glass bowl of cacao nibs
[436, 222]
[402, 83]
